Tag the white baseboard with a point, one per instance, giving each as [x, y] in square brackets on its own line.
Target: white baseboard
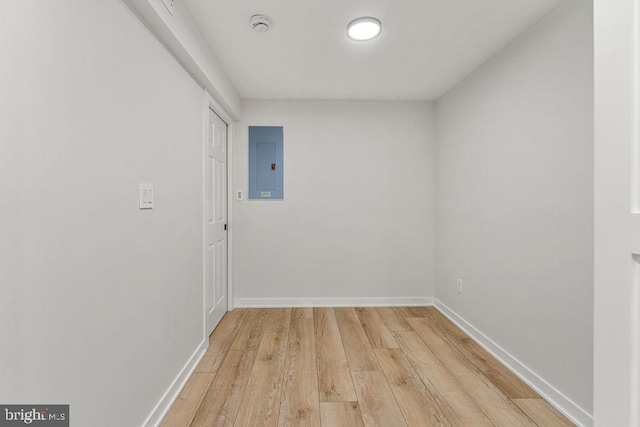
[332, 302]
[176, 387]
[546, 390]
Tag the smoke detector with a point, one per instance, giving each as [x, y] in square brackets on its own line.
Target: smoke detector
[260, 23]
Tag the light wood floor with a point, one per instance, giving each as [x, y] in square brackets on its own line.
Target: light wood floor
[407, 366]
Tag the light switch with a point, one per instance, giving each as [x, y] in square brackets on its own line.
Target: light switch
[146, 196]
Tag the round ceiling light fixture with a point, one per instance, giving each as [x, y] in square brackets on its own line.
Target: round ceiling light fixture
[363, 29]
[260, 23]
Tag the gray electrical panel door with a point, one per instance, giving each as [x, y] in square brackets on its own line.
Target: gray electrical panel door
[265, 162]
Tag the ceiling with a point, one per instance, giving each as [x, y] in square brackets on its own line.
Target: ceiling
[426, 46]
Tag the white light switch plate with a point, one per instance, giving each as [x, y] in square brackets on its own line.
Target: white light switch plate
[146, 196]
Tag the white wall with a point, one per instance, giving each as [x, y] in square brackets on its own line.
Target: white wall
[515, 200]
[100, 303]
[357, 217]
[617, 274]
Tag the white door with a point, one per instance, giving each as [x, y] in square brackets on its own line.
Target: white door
[215, 221]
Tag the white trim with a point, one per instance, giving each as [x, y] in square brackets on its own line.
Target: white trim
[163, 406]
[635, 123]
[635, 344]
[205, 131]
[230, 198]
[217, 108]
[615, 398]
[546, 390]
[635, 232]
[333, 302]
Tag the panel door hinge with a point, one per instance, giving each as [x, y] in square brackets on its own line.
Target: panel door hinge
[225, 227]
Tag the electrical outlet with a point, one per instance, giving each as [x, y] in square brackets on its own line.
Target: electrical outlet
[459, 286]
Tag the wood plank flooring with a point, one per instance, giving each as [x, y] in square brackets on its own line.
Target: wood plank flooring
[344, 367]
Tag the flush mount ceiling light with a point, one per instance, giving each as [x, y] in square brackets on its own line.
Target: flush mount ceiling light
[363, 29]
[260, 23]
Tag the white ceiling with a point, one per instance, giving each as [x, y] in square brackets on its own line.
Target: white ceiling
[426, 46]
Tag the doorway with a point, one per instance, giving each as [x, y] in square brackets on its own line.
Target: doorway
[216, 240]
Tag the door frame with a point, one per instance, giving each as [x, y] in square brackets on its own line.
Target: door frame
[617, 213]
[209, 102]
